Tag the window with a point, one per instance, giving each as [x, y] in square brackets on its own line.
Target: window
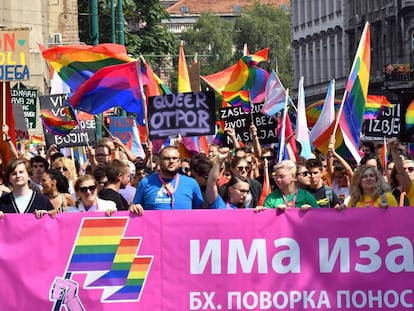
[185, 10]
[237, 9]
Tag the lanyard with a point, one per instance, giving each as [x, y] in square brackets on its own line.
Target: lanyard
[168, 187]
[292, 203]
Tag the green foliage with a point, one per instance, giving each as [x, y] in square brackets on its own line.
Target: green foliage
[265, 26]
[144, 34]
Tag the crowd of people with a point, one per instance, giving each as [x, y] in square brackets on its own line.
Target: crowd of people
[114, 179]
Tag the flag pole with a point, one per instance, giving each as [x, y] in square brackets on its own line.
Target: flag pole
[282, 132]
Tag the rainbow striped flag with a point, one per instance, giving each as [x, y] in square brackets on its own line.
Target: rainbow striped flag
[184, 85]
[77, 63]
[102, 247]
[374, 105]
[244, 75]
[238, 99]
[383, 155]
[112, 86]
[351, 118]
[57, 125]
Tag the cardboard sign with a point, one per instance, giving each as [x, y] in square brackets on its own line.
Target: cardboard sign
[237, 118]
[27, 99]
[188, 114]
[14, 54]
[77, 137]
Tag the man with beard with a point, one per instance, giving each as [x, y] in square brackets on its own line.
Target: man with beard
[167, 189]
[117, 173]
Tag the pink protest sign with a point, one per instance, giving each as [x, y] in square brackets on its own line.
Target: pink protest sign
[209, 260]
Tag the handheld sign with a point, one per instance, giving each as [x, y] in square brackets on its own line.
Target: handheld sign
[188, 114]
[14, 54]
[27, 99]
[240, 120]
[77, 137]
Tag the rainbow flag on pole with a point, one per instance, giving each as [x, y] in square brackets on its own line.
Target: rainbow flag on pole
[77, 63]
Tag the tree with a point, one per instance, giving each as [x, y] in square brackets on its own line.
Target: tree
[212, 39]
[144, 34]
[266, 26]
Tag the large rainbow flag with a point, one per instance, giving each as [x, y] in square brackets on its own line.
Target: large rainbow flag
[112, 86]
[244, 75]
[77, 63]
[101, 247]
[348, 129]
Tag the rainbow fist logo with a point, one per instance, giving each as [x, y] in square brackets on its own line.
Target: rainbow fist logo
[108, 259]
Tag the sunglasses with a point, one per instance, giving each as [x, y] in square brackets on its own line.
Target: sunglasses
[241, 168]
[409, 169]
[304, 174]
[64, 168]
[85, 189]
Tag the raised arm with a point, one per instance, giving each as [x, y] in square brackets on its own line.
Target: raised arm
[212, 189]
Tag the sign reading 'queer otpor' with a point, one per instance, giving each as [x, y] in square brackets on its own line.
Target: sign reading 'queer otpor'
[188, 114]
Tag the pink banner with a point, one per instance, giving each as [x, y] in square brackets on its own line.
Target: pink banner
[209, 260]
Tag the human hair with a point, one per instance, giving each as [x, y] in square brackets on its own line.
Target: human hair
[107, 142]
[314, 163]
[370, 156]
[39, 159]
[235, 179]
[108, 148]
[370, 145]
[163, 150]
[100, 171]
[115, 168]
[62, 184]
[355, 189]
[68, 163]
[12, 166]
[288, 165]
[82, 179]
[201, 165]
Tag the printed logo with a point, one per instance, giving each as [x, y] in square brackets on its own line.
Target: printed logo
[109, 260]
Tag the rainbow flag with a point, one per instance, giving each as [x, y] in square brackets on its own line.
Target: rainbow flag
[112, 86]
[313, 111]
[351, 118]
[77, 63]
[409, 116]
[101, 247]
[374, 105]
[383, 156]
[57, 125]
[238, 99]
[242, 76]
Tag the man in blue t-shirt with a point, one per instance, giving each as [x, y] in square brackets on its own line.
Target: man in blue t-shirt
[167, 189]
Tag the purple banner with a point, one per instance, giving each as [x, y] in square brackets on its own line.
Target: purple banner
[209, 260]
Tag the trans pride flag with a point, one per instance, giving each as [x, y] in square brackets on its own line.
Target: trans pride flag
[112, 86]
[77, 63]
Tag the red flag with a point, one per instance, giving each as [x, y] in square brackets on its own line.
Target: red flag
[6, 118]
[266, 189]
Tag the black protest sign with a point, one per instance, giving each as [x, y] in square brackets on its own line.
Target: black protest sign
[188, 114]
[387, 124]
[27, 99]
[77, 137]
[240, 121]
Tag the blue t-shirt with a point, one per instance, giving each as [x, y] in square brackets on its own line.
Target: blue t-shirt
[152, 195]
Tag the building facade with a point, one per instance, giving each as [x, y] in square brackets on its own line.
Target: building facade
[326, 33]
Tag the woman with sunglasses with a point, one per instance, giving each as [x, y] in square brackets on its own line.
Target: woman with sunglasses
[88, 201]
[288, 194]
[67, 167]
[237, 188]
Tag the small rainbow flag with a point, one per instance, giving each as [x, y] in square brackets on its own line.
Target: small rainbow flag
[238, 99]
[101, 246]
[58, 125]
[374, 105]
